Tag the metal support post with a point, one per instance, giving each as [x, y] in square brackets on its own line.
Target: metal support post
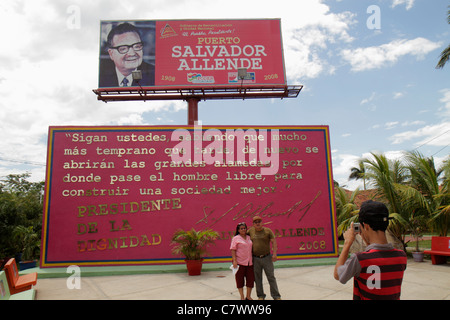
[192, 110]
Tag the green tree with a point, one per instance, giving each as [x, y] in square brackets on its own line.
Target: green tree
[28, 241]
[423, 195]
[20, 205]
[385, 174]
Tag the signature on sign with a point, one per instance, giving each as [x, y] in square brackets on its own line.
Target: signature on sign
[211, 216]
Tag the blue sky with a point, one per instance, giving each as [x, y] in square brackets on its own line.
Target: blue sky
[377, 89]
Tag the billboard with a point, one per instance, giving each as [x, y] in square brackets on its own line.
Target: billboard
[115, 195]
[185, 53]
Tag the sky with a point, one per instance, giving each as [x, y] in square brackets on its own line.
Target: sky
[367, 67]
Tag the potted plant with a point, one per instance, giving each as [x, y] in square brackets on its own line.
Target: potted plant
[29, 244]
[417, 227]
[193, 245]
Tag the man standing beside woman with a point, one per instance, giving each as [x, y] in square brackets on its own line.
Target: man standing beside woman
[263, 238]
[252, 248]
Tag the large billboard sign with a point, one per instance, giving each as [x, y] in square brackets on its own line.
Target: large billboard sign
[185, 53]
[116, 195]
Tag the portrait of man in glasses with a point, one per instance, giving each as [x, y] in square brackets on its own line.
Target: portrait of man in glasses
[125, 49]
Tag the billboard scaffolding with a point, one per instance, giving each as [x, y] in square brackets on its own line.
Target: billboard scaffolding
[208, 93]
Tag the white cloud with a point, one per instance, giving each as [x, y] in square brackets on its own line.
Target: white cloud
[342, 163]
[306, 35]
[367, 100]
[390, 125]
[375, 57]
[409, 3]
[413, 123]
[445, 109]
[398, 95]
[434, 135]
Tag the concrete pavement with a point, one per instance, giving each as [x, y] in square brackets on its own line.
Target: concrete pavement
[296, 281]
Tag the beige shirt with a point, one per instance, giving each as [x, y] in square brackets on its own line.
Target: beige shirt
[261, 240]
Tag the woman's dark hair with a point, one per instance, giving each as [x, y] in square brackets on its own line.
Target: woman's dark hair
[238, 226]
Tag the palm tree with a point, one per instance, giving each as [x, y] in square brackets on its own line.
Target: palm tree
[423, 196]
[424, 176]
[411, 190]
[384, 175]
[358, 173]
[346, 209]
[445, 55]
[387, 176]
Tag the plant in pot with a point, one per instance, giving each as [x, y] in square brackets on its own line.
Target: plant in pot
[417, 226]
[29, 243]
[193, 246]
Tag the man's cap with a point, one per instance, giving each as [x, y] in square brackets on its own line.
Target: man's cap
[373, 211]
[256, 218]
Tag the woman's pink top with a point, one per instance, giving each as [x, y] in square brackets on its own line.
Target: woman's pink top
[243, 249]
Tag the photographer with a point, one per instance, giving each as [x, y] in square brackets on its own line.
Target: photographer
[378, 271]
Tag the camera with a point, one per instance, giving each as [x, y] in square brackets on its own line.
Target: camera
[356, 227]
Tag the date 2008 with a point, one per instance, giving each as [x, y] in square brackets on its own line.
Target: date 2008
[270, 76]
[312, 245]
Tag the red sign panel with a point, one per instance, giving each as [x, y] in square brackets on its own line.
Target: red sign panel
[194, 53]
[116, 195]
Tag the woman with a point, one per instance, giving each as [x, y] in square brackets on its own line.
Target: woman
[241, 253]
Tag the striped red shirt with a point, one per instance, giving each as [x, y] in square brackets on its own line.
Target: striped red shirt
[381, 274]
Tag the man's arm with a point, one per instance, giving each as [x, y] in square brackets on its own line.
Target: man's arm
[349, 237]
[274, 249]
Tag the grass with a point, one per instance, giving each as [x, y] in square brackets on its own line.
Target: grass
[422, 244]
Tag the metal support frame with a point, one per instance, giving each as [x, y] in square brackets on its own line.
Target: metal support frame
[192, 110]
[193, 95]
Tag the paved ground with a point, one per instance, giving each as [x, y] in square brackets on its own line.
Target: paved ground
[422, 281]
